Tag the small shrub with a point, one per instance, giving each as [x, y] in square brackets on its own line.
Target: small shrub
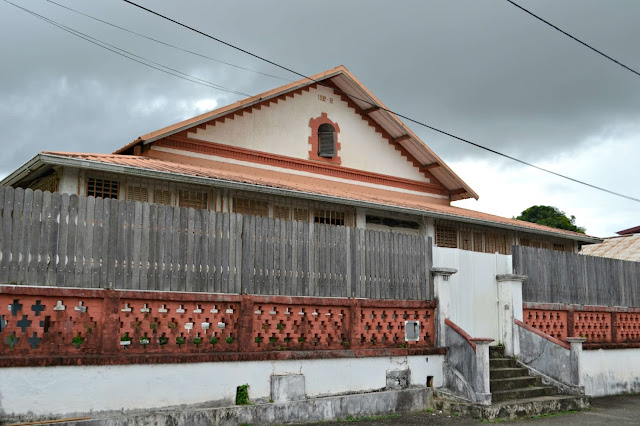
[180, 340]
[77, 341]
[272, 339]
[345, 344]
[213, 340]
[197, 340]
[301, 339]
[144, 340]
[163, 340]
[287, 339]
[229, 340]
[242, 395]
[280, 326]
[258, 339]
[172, 325]
[126, 337]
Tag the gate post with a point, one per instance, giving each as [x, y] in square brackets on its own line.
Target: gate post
[510, 310]
[443, 295]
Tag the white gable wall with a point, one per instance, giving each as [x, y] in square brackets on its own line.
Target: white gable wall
[283, 129]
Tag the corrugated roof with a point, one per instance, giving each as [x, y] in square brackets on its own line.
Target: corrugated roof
[303, 184]
[346, 82]
[625, 247]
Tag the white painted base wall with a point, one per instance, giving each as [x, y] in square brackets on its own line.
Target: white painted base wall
[82, 389]
[610, 371]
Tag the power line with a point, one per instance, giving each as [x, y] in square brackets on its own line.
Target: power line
[575, 38]
[383, 108]
[167, 44]
[125, 54]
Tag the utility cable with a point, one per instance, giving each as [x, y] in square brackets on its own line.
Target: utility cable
[165, 43]
[125, 53]
[575, 38]
[373, 104]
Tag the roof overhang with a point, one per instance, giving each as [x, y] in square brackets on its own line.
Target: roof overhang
[45, 159]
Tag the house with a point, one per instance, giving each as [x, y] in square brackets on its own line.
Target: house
[319, 150]
[624, 246]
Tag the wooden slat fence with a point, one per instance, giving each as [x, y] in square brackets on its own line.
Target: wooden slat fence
[570, 278]
[63, 240]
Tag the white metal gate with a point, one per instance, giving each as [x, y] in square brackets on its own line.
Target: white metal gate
[474, 289]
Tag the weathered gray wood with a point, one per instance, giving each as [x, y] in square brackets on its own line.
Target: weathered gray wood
[54, 229]
[149, 239]
[225, 252]
[87, 243]
[7, 228]
[199, 235]
[120, 245]
[16, 237]
[23, 276]
[259, 257]
[112, 241]
[129, 241]
[239, 251]
[232, 253]
[211, 277]
[96, 246]
[188, 274]
[45, 224]
[218, 253]
[136, 233]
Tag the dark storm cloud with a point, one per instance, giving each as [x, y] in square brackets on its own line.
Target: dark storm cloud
[482, 70]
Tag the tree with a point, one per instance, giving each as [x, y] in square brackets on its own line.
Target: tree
[550, 216]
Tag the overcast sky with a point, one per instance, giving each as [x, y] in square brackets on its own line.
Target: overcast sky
[483, 70]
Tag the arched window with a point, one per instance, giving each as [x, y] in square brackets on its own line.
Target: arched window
[326, 141]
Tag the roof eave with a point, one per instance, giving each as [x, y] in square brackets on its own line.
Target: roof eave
[227, 184]
[23, 171]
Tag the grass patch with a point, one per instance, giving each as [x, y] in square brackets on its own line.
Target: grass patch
[368, 418]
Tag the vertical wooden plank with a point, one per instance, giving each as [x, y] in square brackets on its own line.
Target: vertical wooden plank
[226, 225]
[106, 225]
[331, 261]
[34, 236]
[150, 223]
[269, 236]
[232, 253]
[164, 226]
[88, 241]
[176, 231]
[239, 251]
[96, 246]
[322, 252]
[278, 277]
[295, 289]
[198, 236]
[121, 241]
[258, 261]
[352, 264]
[23, 276]
[112, 242]
[384, 281]
[7, 228]
[306, 283]
[45, 224]
[136, 255]
[16, 235]
[248, 246]
[190, 241]
[289, 257]
[20, 253]
[54, 229]
[218, 253]
[130, 239]
[283, 258]
[144, 249]
[211, 262]
[183, 230]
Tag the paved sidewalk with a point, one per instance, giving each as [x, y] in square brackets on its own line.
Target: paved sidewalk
[614, 410]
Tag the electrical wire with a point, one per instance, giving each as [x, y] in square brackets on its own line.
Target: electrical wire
[125, 53]
[165, 43]
[575, 38]
[373, 104]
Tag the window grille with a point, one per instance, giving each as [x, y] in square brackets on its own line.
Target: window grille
[329, 217]
[104, 188]
[251, 206]
[495, 243]
[281, 212]
[162, 196]
[47, 183]
[137, 193]
[446, 235]
[477, 241]
[300, 214]
[466, 241]
[197, 199]
[558, 247]
[326, 141]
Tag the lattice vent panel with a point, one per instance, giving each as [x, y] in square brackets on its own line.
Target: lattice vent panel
[385, 326]
[553, 323]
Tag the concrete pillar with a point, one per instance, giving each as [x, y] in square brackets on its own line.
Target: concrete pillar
[575, 359]
[443, 295]
[361, 218]
[509, 310]
[481, 380]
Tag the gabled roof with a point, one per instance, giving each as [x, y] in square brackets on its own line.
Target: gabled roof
[342, 80]
[626, 247]
[634, 230]
[234, 176]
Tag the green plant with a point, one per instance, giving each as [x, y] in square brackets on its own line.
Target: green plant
[126, 337]
[153, 326]
[280, 326]
[12, 340]
[163, 340]
[197, 340]
[213, 340]
[403, 345]
[345, 344]
[258, 339]
[144, 340]
[77, 341]
[272, 339]
[242, 395]
[287, 339]
[172, 325]
[229, 340]
[301, 339]
[87, 329]
[180, 340]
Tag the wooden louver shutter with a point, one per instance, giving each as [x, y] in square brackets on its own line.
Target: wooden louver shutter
[326, 141]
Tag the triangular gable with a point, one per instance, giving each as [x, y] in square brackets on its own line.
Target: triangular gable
[419, 162]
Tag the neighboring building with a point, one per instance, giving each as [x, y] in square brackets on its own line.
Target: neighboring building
[315, 150]
[626, 246]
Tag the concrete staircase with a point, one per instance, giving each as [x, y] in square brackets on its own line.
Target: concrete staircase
[515, 393]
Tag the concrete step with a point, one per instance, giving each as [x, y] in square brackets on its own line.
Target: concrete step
[496, 351]
[505, 373]
[514, 383]
[522, 393]
[514, 409]
[502, 363]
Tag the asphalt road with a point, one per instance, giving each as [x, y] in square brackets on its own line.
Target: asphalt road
[613, 410]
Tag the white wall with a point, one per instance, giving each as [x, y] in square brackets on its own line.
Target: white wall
[80, 389]
[283, 129]
[474, 289]
[610, 371]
